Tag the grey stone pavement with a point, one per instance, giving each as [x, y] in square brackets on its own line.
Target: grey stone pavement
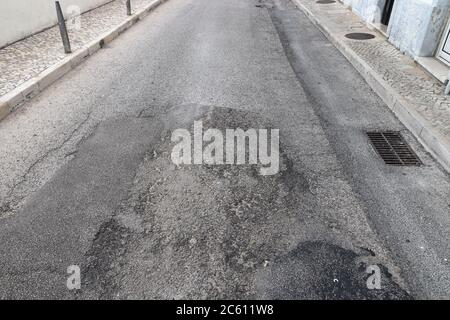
[27, 58]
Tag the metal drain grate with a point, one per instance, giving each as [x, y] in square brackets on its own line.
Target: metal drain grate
[393, 149]
[325, 1]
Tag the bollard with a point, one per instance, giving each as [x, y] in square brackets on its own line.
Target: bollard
[129, 7]
[447, 87]
[63, 28]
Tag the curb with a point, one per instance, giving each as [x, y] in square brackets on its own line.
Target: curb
[434, 143]
[30, 88]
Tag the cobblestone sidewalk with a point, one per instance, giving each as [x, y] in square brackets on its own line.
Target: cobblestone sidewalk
[415, 97]
[27, 58]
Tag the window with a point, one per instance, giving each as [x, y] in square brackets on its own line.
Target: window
[443, 53]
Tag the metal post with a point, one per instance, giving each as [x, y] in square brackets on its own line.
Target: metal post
[63, 28]
[447, 87]
[129, 7]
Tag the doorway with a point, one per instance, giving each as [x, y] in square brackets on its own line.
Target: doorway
[387, 11]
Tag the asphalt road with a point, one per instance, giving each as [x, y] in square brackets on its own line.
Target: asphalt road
[87, 178]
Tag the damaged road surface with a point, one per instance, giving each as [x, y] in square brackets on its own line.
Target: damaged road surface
[194, 231]
[90, 181]
[221, 231]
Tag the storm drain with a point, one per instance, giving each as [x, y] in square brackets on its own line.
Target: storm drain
[393, 149]
[359, 36]
[325, 1]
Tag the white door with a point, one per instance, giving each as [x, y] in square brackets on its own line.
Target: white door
[444, 49]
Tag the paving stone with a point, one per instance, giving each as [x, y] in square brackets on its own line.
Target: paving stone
[27, 58]
[423, 90]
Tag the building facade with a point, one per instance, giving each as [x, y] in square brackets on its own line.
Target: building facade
[418, 28]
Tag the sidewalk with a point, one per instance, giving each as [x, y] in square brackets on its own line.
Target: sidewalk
[30, 65]
[416, 98]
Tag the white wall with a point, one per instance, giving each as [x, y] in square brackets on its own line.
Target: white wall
[416, 25]
[21, 18]
[369, 10]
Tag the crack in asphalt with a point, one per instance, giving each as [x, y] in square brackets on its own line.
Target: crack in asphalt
[12, 201]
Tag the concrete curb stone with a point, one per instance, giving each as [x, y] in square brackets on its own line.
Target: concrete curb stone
[27, 90]
[435, 143]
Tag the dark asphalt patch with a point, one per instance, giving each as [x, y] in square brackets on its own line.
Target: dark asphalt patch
[219, 232]
[106, 249]
[318, 270]
[216, 209]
